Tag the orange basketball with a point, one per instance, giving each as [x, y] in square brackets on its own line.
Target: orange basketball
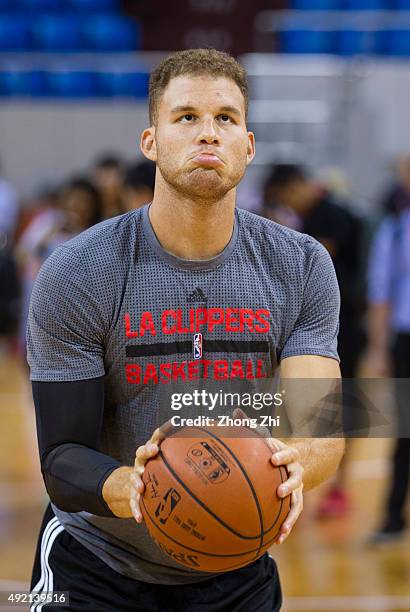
[210, 498]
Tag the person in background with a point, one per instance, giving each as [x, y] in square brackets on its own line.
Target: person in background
[388, 352]
[45, 218]
[9, 212]
[81, 206]
[9, 285]
[398, 196]
[139, 184]
[63, 215]
[9, 294]
[293, 198]
[107, 175]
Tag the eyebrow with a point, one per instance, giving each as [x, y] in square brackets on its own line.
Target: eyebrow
[192, 109]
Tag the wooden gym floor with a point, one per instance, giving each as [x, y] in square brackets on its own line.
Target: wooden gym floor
[324, 566]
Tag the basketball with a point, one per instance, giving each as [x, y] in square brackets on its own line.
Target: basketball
[210, 498]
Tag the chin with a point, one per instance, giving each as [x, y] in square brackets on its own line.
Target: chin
[201, 184]
[207, 186]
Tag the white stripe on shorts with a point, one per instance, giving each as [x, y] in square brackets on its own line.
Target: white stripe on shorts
[46, 582]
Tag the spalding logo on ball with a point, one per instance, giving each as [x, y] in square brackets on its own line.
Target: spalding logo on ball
[210, 498]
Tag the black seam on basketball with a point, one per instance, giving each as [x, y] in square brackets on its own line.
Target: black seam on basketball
[208, 510]
[248, 480]
[281, 505]
[200, 552]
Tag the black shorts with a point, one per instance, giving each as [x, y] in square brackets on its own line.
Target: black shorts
[63, 564]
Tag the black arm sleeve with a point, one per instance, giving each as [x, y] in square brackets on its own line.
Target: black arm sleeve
[69, 420]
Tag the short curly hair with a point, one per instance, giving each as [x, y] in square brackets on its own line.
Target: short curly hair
[194, 62]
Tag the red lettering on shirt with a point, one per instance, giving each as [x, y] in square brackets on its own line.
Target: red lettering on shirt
[128, 331]
[168, 328]
[232, 321]
[259, 315]
[221, 369]
[246, 317]
[215, 317]
[133, 373]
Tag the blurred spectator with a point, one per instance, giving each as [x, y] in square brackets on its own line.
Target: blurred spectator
[9, 210]
[108, 178]
[81, 207]
[294, 199]
[139, 184]
[61, 217]
[9, 286]
[45, 217]
[398, 196]
[9, 291]
[388, 351]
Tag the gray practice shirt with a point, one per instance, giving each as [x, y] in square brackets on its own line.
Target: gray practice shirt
[112, 302]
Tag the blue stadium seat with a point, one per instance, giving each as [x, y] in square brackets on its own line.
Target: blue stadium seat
[359, 42]
[93, 5]
[21, 83]
[366, 5]
[5, 4]
[128, 84]
[14, 32]
[307, 41]
[316, 5]
[40, 5]
[402, 5]
[71, 84]
[398, 42]
[56, 33]
[110, 33]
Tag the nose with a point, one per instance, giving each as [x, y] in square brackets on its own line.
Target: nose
[207, 133]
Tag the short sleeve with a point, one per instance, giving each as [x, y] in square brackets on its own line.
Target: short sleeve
[65, 333]
[316, 328]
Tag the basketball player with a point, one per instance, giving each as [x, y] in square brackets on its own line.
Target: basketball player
[112, 321]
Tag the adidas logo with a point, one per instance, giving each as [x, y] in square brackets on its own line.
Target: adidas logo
[197, 296]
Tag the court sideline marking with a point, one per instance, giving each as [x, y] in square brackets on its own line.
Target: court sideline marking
[380, 603]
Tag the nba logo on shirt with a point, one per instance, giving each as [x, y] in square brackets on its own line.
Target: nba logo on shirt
[197, 346]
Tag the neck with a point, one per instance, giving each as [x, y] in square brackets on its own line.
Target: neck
[191, 228]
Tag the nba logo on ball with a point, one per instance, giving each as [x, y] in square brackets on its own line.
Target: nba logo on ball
[197, 346]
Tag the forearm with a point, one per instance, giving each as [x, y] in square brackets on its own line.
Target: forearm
[319, 458]
[69, 418]
[116, 492]
[74, 476]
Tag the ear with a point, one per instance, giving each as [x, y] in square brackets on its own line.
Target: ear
[148, 145]
[250, 153]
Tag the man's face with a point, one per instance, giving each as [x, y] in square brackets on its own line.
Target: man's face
[201, 144]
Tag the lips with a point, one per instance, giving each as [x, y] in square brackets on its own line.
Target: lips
[209, 160]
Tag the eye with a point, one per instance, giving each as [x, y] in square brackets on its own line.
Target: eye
[225, 119]
[187, 118]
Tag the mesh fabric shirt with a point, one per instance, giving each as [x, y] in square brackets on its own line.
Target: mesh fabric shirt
[112, 302]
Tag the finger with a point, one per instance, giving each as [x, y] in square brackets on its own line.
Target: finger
[134, 505]
[144, 453]
[137, 482]
[285, 455]
[158, 436]
[293, 482]
[140, 517]
[294, 513]
[162, 432]
[238, 413]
